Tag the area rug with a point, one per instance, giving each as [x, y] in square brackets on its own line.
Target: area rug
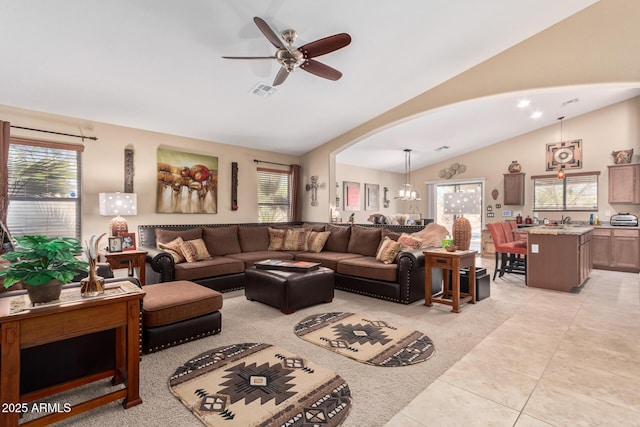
[257, 384]
[367, 340]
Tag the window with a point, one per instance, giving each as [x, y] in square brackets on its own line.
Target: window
[576, 192]
[44, 188]
[274, 196]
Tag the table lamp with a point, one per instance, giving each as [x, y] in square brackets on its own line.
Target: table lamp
[118, 204]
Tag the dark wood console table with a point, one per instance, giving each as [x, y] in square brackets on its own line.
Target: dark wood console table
[72, 316]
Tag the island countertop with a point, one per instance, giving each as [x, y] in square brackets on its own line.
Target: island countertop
[572, 230]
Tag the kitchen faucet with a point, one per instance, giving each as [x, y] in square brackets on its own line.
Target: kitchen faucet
[565, 220]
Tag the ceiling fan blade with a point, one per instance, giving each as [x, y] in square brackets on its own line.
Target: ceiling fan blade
[268, 33]
[321, 70]
[281, 77]
[249, 57]
[325, 45]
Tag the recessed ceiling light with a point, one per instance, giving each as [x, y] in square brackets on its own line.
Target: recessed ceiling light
[536, 114]
[524, 103]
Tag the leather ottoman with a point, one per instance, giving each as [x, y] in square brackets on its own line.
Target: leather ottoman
[177, 312]
[289, 291]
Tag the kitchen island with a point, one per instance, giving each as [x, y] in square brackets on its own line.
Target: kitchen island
[558, 257]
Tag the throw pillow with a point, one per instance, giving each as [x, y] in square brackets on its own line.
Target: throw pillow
[317, 240]
[410, 241]
[174, 248]
[296, 240]
[276, 238]
[195, 250]
[388, 251]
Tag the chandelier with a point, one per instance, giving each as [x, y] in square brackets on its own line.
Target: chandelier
[407, 190]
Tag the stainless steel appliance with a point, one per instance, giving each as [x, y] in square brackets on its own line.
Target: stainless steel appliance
[624, 219]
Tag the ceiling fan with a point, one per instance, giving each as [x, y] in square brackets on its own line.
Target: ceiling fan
[291, 57]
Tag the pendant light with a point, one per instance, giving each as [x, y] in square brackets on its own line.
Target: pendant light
[407, 191]
[561, 174]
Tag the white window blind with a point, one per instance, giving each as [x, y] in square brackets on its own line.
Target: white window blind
[44, 190]
[274, 196]
[576, 192]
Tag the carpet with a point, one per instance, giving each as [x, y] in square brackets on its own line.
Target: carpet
[256, 384]
[366, 339]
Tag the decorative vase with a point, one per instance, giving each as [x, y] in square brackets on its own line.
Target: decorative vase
[47, 292]
[462, 233]
[93, 285]
[514, 167]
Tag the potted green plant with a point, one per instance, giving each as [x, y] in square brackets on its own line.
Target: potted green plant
[43, 264]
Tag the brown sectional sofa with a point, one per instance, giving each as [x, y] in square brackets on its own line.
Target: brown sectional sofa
[350, 252]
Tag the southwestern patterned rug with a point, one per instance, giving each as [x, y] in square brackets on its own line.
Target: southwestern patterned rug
[255, 384]
[371, 341]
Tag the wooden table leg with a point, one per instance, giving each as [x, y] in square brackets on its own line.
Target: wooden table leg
[133, 355]
[455, 285]
[10, 374]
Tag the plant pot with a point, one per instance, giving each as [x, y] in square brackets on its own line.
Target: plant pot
[50, 291]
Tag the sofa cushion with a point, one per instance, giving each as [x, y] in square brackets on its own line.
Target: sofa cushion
[250, 258]
[364, 240]
[388, 251]
[276, 238]
[172, 302]
[221, 240]
[296, 239]
[253, 239]
[317, 240]
[393, 235]
[174, 249]
[325, 258]
[313, 227]
[432, 235]
[369, 268]
[214, 266]
[338, 239]
[194, 250]
[166, 236]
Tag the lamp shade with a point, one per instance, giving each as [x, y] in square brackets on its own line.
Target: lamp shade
[118, 204]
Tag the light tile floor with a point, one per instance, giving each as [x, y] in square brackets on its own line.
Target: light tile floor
[563, 359]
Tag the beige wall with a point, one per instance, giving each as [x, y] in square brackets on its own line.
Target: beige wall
[611, 128]
[598, 45]
[370, 176]
[103, 168]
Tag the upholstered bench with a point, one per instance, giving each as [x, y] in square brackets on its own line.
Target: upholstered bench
[177, 312]
[289, 291]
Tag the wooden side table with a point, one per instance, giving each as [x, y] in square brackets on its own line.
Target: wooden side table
[72, 316]
[452, 261]
[128, 260]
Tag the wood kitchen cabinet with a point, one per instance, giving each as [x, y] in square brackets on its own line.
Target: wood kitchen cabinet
[616, 249]
[514, 188]
[624, 185]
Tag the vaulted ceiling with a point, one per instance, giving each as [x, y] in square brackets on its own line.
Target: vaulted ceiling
[157, 65]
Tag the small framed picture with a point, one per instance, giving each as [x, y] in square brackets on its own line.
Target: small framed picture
[115, 244]
[128, 241]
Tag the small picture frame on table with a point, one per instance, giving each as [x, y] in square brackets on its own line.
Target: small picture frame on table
[115, 244]
[128, 241]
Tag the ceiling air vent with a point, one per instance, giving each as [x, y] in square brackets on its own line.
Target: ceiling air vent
[264, 90]
[442, 147]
